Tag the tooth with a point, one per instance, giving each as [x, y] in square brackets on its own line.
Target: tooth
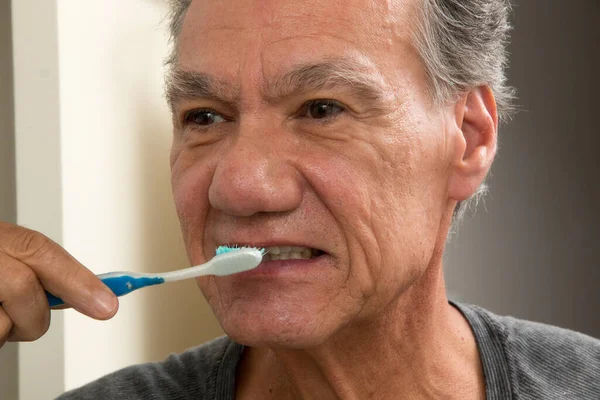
[275, 257]
[274, 250]
[285, 249]
[306, 253]
[297, 249]
[295, 256]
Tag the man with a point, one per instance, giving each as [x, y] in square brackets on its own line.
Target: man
[346, 134]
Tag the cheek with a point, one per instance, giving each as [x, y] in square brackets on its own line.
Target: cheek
[190, 182]
[409, 213]
[347, 185]
[381, 195]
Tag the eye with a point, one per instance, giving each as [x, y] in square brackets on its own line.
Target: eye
[202, 117]
[321, 109]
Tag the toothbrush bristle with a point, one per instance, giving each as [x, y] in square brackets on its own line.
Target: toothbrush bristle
[228, 249]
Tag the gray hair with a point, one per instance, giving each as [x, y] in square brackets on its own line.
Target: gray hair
[462, 44]
[177, 11]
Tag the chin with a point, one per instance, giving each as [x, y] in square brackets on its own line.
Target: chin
[276, 327]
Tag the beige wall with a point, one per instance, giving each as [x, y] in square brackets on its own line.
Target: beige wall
[92, 145]
[534, 252]
[8, 196]
[117, 207]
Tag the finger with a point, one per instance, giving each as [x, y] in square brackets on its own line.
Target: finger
[23, 300]
[58, 271]
[5, 326]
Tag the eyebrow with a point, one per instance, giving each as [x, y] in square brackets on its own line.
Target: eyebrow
[184, 85]
[330, 74]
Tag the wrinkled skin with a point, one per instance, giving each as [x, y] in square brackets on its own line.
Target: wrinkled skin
[373, 183]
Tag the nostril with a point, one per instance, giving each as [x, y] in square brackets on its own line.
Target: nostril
[247, 182]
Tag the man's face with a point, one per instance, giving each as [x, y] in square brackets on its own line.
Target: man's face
[303, 123]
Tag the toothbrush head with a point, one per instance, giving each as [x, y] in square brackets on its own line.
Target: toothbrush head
[228, 249]
[231, 260]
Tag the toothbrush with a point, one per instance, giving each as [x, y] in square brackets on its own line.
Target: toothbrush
[227, 261]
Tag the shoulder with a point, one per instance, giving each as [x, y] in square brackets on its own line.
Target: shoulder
[545, 359]
[190, 374]
[545, 356]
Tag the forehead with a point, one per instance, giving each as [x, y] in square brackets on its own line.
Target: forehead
[227, 35]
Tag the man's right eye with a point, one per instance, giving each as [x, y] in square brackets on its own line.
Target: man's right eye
[202, 118]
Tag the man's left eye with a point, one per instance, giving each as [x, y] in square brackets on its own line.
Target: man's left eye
[321, 109]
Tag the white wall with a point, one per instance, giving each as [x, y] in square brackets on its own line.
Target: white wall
[118, 213]
[93, 135]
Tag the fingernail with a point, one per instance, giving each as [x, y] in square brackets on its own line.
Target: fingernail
[104, 302]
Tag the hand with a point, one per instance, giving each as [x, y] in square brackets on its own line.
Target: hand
[30, 263]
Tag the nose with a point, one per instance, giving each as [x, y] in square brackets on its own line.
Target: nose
[255, 175]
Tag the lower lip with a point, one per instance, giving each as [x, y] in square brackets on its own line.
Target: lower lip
[280, 267]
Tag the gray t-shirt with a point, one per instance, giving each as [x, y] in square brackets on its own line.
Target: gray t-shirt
[521, 360]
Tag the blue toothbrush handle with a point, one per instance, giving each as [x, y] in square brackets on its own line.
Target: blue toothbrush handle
[120, 285]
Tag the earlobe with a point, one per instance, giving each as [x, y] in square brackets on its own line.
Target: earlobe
[477, 121]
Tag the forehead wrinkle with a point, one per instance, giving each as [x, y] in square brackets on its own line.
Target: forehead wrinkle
[328, 75]
[184, 84]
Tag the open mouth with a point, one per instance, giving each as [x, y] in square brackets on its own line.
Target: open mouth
[279, 253]
[275, 253]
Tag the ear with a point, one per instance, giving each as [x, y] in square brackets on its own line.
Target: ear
[474, 148]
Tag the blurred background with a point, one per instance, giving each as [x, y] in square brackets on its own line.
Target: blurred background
[84, 144]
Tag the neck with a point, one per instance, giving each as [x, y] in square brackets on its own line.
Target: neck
[420, 347]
